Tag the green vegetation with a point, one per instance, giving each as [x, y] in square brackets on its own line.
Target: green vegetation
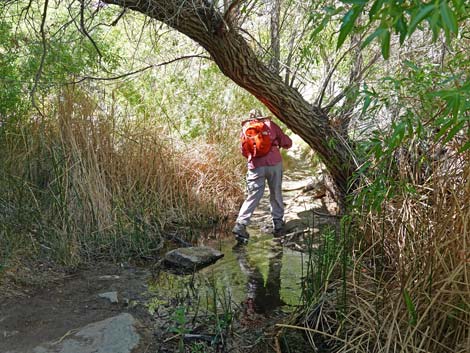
[108, 170]
[114, 139]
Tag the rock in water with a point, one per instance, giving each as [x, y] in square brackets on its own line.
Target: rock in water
[192, 258]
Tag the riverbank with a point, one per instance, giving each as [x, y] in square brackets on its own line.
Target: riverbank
[233, 305]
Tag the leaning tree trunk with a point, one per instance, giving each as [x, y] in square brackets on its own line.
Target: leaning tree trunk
[217, 34]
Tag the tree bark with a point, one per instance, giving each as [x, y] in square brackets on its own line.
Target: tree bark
[200, 21]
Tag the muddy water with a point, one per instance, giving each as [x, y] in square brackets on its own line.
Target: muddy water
[263, 275]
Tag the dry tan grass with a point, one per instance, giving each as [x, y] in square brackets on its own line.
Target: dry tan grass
[105, 182]
[409, 287]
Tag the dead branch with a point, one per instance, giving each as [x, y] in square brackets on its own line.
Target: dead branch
[229, 15]
[348, 88]
[116, 20]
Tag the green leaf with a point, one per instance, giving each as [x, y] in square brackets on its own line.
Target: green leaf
[397, 136]
[367, 101]
[457, 3]
[364, 167]
[434, 23]
[420, 130]
[444, 129]
[411, 308]
[348, 23]
[411, 65]
[459, 126]
[377, 33]
[465, 147]
[375, 8]
[419, 16]
[410, 128]
[319, 28]
[402, 28]
[386, 45]
[448, 17]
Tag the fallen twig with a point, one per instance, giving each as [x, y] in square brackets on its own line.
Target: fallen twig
[195, 337]
[68, 333]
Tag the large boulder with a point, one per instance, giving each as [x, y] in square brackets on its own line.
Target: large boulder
[191, 258]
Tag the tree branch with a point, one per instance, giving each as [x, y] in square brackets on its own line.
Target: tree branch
[127, 74]
[237, 60]
[84, 30]
[228, 15]
[116, 20]
[343, 93]
[43, 57]
[25, 10]
[319, 100]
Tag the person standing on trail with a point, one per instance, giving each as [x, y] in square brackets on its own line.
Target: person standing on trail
[261, 140]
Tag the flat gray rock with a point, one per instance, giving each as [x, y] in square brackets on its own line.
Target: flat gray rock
[114, 335]
[111, 296]
[192, 258]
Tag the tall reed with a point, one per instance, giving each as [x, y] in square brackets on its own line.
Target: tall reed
[90, 180]
[407, 284]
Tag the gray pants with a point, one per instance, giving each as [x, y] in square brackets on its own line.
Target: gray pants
[256, 181]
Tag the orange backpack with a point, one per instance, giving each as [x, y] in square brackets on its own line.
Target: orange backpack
[255, 138]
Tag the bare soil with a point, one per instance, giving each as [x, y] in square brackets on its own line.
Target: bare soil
[30, 316]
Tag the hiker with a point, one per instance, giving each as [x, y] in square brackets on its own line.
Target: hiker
[261, 140]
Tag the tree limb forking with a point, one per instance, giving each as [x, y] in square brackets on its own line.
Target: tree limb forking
[335, 100]
[319, 99]
[200, 21]
[284, 65]
[229, 14]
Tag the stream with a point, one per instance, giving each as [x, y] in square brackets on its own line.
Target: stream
[232, 305]
[263, 272]
[235, 304]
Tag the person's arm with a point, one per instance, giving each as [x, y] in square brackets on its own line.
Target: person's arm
[283, 140]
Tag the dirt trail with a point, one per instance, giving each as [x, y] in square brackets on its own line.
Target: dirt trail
[306, 208]
[71, 302]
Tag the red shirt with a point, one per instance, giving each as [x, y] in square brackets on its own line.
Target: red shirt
[278, 139]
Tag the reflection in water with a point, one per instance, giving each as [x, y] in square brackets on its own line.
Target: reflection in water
[262, 276]
[262, 296]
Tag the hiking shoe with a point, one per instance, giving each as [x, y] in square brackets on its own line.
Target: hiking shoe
[278, 227]
[241, 234]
